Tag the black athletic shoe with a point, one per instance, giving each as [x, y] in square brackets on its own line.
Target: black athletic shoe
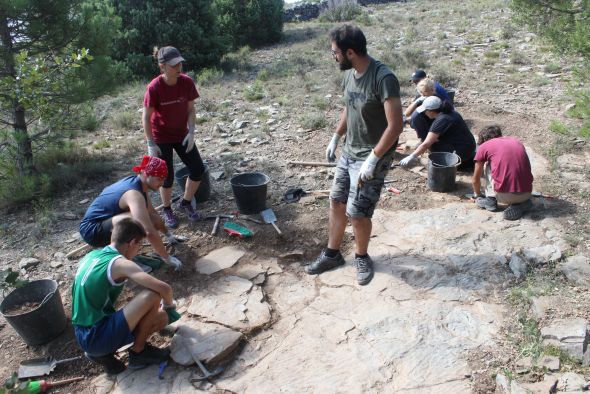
[364, 269]
[148, 356]
[515, 211]
[324, 263]
[111, 365]
[489, 203]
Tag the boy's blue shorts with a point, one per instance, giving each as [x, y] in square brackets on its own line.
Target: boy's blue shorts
[106, 336]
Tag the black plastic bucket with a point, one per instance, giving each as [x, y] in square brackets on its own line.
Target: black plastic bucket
[46, 321]
[250, 191]
[204, 191]
[442, 171]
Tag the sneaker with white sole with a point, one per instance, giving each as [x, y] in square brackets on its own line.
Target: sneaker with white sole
[189, 211]
[364, 269]
[324, 263]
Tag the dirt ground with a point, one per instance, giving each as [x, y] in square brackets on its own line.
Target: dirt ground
[497, 93]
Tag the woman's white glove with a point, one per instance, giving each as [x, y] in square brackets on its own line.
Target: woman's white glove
[405, 161]
[331, 149]
[189, 140]
[153, 149]
[367, 170]
[174, 262]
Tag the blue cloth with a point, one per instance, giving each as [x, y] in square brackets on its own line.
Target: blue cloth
[440, 92]
[106, 336]
[106, 205]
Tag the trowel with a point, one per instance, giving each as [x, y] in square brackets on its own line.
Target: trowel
[269, 217]
[40, 366]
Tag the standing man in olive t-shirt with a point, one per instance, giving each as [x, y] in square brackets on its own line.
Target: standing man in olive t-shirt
[372, 123]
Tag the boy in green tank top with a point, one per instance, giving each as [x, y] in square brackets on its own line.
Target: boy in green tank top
[101, 329]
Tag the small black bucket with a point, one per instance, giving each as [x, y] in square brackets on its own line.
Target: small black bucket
[39, 325]
[250, 191]
[442, 171]
[204, 191]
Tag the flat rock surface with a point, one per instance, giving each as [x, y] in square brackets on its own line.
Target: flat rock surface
[219, 259]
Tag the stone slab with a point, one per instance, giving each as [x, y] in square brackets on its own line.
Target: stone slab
[219, 259]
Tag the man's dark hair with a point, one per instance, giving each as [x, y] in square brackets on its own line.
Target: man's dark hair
[349, 37]
[445, 107]
[488, 133]
[126, 230]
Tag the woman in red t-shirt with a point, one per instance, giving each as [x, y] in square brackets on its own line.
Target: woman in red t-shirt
[169, 125]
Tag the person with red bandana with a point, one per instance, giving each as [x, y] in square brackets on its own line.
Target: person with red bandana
[129, 198]
[169, 124]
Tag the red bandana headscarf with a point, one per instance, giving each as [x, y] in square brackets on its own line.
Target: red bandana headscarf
[152, 166]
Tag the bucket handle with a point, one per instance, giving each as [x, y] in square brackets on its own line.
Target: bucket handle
[439, 165]
[47, 297]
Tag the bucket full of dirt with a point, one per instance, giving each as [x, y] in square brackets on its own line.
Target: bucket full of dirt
[442, 171]
[35, 311]
[250, 191]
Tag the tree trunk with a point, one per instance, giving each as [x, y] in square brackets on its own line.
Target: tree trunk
[24, 151]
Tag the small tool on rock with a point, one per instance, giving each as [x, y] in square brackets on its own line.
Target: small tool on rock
[206, 374]
[269, 217]
[216, 225]
[40, 366]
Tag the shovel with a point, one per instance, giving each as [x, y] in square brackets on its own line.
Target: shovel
[40, 366]
[269, 217]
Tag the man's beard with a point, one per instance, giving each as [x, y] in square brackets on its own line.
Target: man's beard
[345, 64]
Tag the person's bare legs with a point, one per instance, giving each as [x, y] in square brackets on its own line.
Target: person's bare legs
[144, 317]
[337, 224]
[166, 195]
[362, 233]
[190, 189]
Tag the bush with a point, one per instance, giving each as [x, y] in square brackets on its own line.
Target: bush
[518, 57]
[341, 13]
[208, 76]
[253, 23]
[125, 119]
[254, 92]
[558, 127]
[237, 61]
[190, 26]
[313, 121]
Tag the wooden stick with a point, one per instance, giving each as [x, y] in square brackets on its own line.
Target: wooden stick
[312, 163]
[82, 248]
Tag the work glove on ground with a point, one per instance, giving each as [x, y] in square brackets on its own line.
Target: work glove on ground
[153, 149]
[189, 140]
[367, 170]
[172, 313]
[331, 149]
[174, 262]
[406, 161]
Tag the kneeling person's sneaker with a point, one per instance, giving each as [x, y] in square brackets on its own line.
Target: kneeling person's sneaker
[169, 219]
[189, 211]
[364, 269]
[515, 211]
[148, 356]
[488, 203]
[111, 365]
[324, 263]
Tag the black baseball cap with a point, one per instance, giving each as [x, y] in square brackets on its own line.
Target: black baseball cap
[170, 56]
[418, 75]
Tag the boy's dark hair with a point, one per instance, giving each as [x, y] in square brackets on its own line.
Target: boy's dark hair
[488, 133]
[349, 37]
[126, 230]
[445, 107]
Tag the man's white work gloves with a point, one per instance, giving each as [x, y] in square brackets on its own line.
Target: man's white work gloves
[407, 160]
[153, 149]
[174, 262]
[367, 171]
[331, 149]
[189, 140]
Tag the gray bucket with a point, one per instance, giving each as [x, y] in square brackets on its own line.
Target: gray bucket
[250, 191]
[204, 191]
[46, 321]
[442, 171]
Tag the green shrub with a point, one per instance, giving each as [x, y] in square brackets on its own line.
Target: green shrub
[263, 75]
[125, 119]
[552, 68]
[445, 75]
[341, 13]
[582, 111]
[320, 102]
[209, 76]
[491, 54]
[313, 121]
[87, 119]
[558, 127]
[101, 144]
[410, 34]
[540, 80]
[253, 23]
[254, 92]
[237, 61]
[518, 57]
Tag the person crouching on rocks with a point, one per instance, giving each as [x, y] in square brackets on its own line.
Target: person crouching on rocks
[100, 329]
[507, 171]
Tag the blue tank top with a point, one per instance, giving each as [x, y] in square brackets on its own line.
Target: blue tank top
[106, 205]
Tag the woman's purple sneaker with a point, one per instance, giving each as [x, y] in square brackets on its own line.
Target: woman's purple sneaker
[189, 211]
[169, 219]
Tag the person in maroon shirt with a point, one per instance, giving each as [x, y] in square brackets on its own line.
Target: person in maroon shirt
[507, 170]
[169, 124]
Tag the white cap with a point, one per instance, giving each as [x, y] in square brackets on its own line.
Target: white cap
[430, 103]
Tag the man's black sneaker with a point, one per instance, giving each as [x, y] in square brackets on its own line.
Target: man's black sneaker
[515, 211]
[489, 203]
[111, 365]
[324, 263]
[364, 269]
[148, 356]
